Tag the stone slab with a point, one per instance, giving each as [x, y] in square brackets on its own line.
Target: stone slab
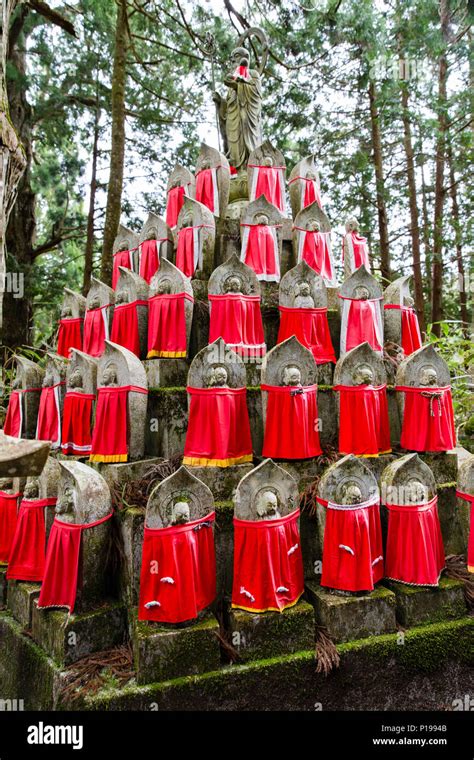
[221, 480]
[123, 472]
[167, 421]
[166, 373]
[416, 605]
[454, 521]
[20, 598]
[258, 636]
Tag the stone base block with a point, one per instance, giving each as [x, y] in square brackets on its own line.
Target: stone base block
[167, 421]
[123, 472]
[353, 617]
[304, 471]
[20, 598]
[163, 653]
[131, 522]
[253, 368]
[166, 373]
[69, 638]
[221, 480]
[417, 605]
[271, 634]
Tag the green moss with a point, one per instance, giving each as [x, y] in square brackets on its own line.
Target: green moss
[166, 391]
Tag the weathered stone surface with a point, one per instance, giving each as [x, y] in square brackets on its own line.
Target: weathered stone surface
[181, 176]
[268, 491]
[260, 636]
[181, 488]
[290, 288]
[305, 168]
[423, 367]
[465, 485]
[3, 584]
[418, 606]
[233, 276]
[28, 376]
[167, 422]
[127, 240]
[210, 158]
[454, 522]
[215, 356]
[407, 480]
[398, 293]
[195, 214]
[155, 228]
[21, 457]
[222, 480]
[131, 287]
[73, 305]
[81, 374]
[20, 598]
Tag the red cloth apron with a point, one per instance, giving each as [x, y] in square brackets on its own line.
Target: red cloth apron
[359, 255]
[364, 428]
[411, 335]
[96, 330]
[77, 423]
[121, 259]
[178, 573]
[8, 520]
[352, 551]
[125, 326]
[207, 189]
[470, 546]
[174, 204]
[241, 72]
[415, 551]
[361, 321]
[428, 419]
[267, 181]
[167, 325]
[260, 251]
[110, 435]
[218, 428]
[27, 552]
[150, 258]
[188, 252]
[237, 319]
[48, 427]
[268, 565]
[69, 335]
[14, 418]
[310, 191]
[61, 569]
[291, 428]
[315, 249]
[311, 328]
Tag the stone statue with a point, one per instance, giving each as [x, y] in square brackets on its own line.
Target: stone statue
[156, 243]
[170, 313]
[355, 248]
[304, 299]
[304, 185]
[71, 321]
[125, 254]
[81, 382]
[267, 506]
[312, 241]
[130, 322]
[361, 314]
[51, 401]
[400, 319]
[22, 412]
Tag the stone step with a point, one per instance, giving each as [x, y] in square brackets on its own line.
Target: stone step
[416, 605]
[20, 598]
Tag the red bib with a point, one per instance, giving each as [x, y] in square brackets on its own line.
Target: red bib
[125, 326]
[77, 423]
[361, 321]
[69, 335]
[207, 190]
[311, 328]
[218, 428]
[174, 204]
[167, 325]
[110, 435]
[14, 418]
[260, 251]
[48, 427]
[8, 520]
[291, 428]
[149, 258]
[310, 191]
[358, 251]
[428, 419]
[241, 72]
[96, 330]
[178, 574]
[411, 335]
[316, 251]
[470, 547]
[352, 551]
[61, 569]
[237, 319]
[268, 565]
[364, 427]
[267, 181]
[187, 253]
[27, 552]
[414, 552]
[121, 259]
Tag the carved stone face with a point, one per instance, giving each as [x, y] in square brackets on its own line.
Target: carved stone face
[267, 161]
[361, 293]
[6, 484]
[187, 220]
[363, 375]
[205, 163]
[109, 375]
[233, 285]
[310, 175]
[267, 505]
[352, 224]
[218, 377]
[291, 376]
[66, 312]
[121, 297]
[75, 380]
[164, 287]
[351, 494]
[428, 377]
[95, 302]
[304, 289]
[415, 492]
[262, 219]
[181, 513]
[239, 57]
[313, 225]
[66, 502]
[31, 490]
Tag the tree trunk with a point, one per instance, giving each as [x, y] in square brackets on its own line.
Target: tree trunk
[117, 153]
[426, 232]
[414, 225]
[380, 183]
[88, 258]
[458, 238]
[437, 274]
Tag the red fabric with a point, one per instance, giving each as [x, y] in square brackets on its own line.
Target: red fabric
[8, 520]
[49, 416]
[109, 438]
[352, 551]
[233, 171]
[149, 259]
[261, 253]
[291, 428]
[268, 565]
[361, 251]
[205, 189]
[317, 254]
[174, 205]
[27, 552]
[125, 326]
[121, 259]
[167, 325]
[61, 569]
[269, 184]
[13, 419]
[311, 328]
[411, 335]
[185, 259]
[361, 324]
[69, 335]
[415, 551]
[185, 555]
[77, 423]
[428, 419]
[311, 191]
[470, 546]
[241, 72]
[218, 427]
[364, 428]
[237, 319]
[94, 331]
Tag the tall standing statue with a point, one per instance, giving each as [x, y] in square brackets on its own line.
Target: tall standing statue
[240, 111]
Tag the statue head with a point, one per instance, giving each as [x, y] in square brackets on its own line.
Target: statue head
[408, 301]
[415, 492]
[304, 289]
[313, 225]
[31, 490]
[181, 513]
[205, 163]
[262, 219]
[240, 57]
[267, 161]
[291, 376]
[187, 219]
[363, 375]
[109, 375]
[218, 377]
[6, 484]
[361, 293]
[267, 505]
[233, 284]
[352, 224]
[164, 287]
[66, 502]
[75, 378]
[95, 302]
[310, 175]
[66, 312]
[351, 494]
[48, 379]
[428, 376]
[121, 297]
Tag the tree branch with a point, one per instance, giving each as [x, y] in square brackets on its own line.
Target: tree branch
[53, 16]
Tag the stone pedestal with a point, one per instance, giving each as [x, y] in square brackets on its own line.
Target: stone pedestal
[20, 598]
[271, 634]
[124, 472]
[166, 373]
[221, 480]
[417, 605]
